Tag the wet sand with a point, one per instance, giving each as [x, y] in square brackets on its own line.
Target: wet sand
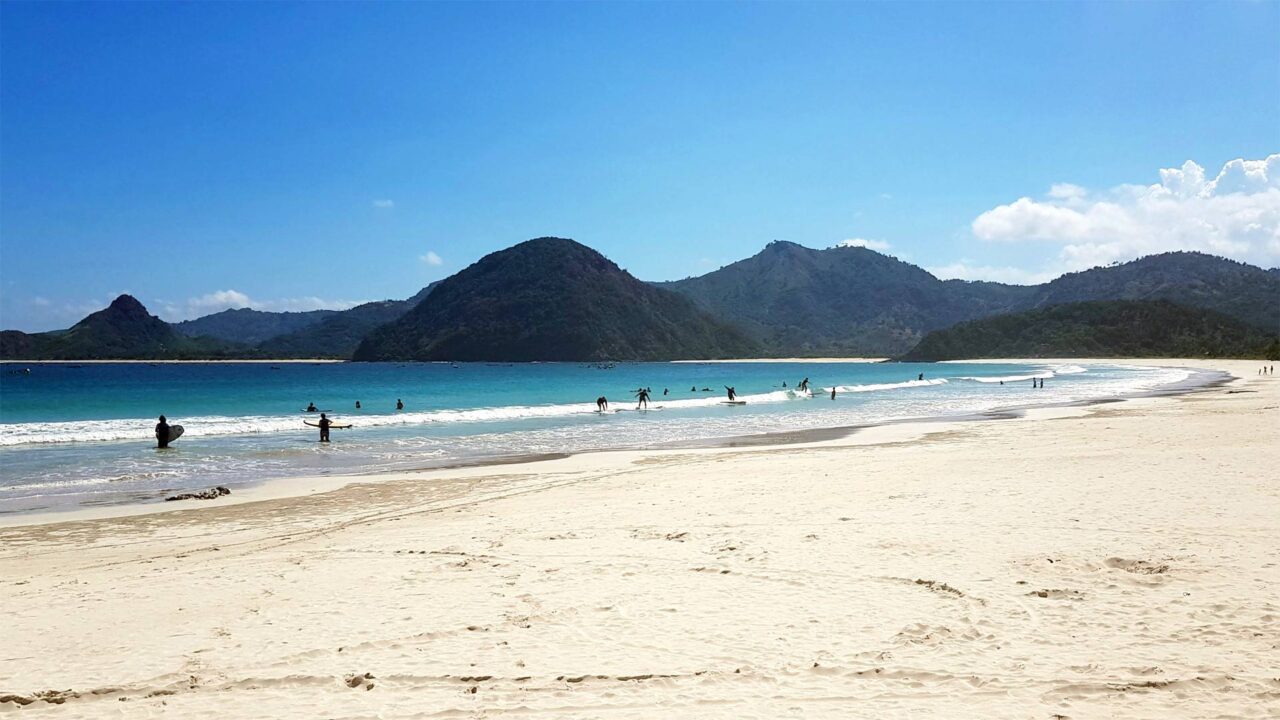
[1113, 560]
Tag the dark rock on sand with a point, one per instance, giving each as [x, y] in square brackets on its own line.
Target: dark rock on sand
[210, 494]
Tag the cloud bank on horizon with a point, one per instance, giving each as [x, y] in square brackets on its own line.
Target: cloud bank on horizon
[220, 300]
[1235, 214]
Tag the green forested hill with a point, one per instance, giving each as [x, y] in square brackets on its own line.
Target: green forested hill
[1104, 328]
[839, 301]
[552, 299]
[122, 331]
[796, 300]
[338, 335]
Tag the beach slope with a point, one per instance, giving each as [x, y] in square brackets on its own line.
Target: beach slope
[1115, 561]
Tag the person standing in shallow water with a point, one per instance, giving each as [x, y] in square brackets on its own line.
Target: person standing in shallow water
[399, 404]
[162, 433]
[602, 403]
[324, 428]
[642, 398]
[833, 393]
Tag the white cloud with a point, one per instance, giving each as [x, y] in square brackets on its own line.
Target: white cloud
[220, 300]
[1236, 213]
[967, 270]
[432, 259]
[384, 204]
[40, 301]
[877, 245]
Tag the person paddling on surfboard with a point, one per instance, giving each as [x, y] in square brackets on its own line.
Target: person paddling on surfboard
[324, 428]
[162, 432]
[311, 407]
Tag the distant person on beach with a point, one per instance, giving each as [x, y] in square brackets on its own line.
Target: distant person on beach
[162, 433]
[664, 392]
[732, 393]
[921, 377]
[642, 398]
[399, 404]
[602, 403]
[324, 428]
[311, 407]
[357, 404]
[804, 385]
[693, 388]
[784, 383]
[833, 393]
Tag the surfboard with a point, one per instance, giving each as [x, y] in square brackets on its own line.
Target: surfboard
[175, 432]
[332, 425]
[733, 402]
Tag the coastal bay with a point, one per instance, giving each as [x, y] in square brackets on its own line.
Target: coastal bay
[1003, 568]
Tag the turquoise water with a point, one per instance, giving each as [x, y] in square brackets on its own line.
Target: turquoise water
[74, 435]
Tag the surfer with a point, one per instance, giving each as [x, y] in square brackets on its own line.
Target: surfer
[921, 377]
[324, 428]
[399, 404]
[311, 407]
[162, 433]
[732, 393]
[602, 403]
[804, 385]
[642, 398]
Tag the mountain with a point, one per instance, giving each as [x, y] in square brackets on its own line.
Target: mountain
[250, 327]
[796, 300]
[122, 331]
[1193, 279]
[1102, 328]
[840, 301]
[338, 335]
[552, 299]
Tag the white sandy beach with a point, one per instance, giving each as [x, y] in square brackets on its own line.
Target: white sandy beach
[1114, 561]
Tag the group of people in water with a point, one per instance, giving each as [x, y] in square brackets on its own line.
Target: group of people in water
[642, 396]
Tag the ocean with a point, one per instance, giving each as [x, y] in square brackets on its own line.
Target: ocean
[74, 435]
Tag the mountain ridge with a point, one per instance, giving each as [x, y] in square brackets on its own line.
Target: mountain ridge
[1099, 328]
[551, 299]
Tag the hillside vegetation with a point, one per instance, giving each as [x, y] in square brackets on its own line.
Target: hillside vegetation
[1104, 328]
[552, 299]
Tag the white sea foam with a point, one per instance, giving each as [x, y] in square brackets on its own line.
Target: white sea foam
[218, 425]
[1041, 375]
[887, 386]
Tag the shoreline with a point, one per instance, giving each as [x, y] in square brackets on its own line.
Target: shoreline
[302, 486]
[307, 361]
[1112, 560]
[796, 360]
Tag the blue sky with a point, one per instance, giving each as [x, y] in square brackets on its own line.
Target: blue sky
[298, 155]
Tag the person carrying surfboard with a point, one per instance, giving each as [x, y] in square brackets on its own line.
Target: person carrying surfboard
[162, 432]
[324, 428]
